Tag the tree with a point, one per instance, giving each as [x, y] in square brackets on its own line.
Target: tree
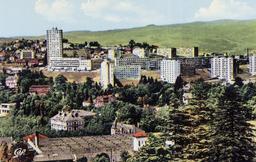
[101, 158]
[232, 137]
[132, 44]
[201, 116]
[239, 81]
[129, 114]
[176, 129]
[200, 89]
[125, 156]
[149, 121]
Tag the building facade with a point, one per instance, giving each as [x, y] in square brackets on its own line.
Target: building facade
[170, 70]
[11, 82]
[111, 54]
[6, 108]
[128, 72]
[106, 73]
[54, 44]
[252, 65]
[70, 121]
[70, 64]
[192, 52]
[145, 63]
[223, 68]
[167, 52]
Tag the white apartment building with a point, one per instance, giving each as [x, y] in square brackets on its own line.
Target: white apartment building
[252, 65]
[128, 72]
[106, 73]
[223, 68]
[54, 44]
[6, 108]
[170, 70]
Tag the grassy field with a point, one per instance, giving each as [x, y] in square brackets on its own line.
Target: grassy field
[218, 36]
[231, 36]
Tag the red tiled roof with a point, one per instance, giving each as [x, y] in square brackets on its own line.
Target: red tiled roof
[140, 134]
[32, 137]
[39, 89]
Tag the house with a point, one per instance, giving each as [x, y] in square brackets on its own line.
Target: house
[121, 128]
[101, 101]
[11, 82]
[139, 140]
[70, 120]
[6, 108]
[39, 89]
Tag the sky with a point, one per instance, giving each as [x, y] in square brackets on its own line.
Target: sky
[34, 17]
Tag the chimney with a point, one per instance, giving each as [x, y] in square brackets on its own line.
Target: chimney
[37, 139]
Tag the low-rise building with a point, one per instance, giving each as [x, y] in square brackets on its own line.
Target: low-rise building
[101, 101]
[70, 121]
[69, 64]
[6, 108]
[11, 82]
[139, 140]
[27, 54]
[128, 72]
[145, 63]
[39, 89]
[122, 128]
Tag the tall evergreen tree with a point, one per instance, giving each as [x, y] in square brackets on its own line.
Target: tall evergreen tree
[177, 128]
[232, 138]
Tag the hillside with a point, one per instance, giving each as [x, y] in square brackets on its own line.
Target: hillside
[232, 36]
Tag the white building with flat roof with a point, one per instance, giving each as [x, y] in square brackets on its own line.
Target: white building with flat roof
[223, 68]
[170, 70]
[252, 65]
[106, 73]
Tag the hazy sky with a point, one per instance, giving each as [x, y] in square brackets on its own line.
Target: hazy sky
[33, 17]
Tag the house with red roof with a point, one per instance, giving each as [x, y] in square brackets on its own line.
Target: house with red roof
[139, 140]
[39, 89]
